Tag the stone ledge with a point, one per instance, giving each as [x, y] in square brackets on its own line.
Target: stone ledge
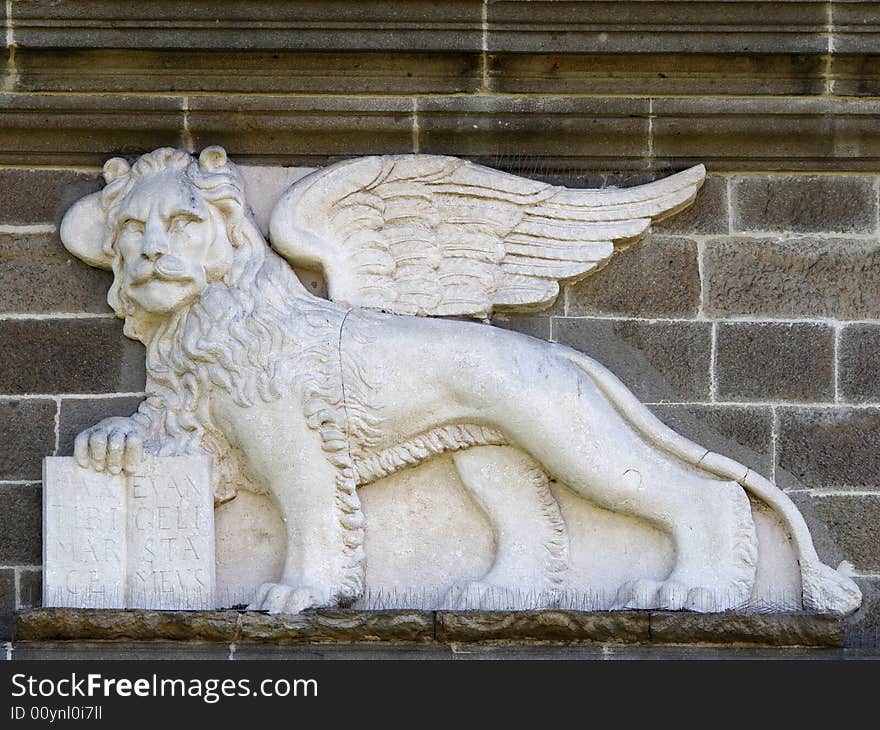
[346, 626]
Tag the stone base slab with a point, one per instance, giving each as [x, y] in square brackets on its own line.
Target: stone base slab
[437, 628]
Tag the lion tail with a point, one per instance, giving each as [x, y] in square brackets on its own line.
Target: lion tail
[824, 589]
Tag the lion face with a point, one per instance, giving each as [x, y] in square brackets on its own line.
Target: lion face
[171, 244]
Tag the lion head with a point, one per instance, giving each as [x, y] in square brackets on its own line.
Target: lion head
[168, 226]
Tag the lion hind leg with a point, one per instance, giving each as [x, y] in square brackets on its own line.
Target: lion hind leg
[531, 539]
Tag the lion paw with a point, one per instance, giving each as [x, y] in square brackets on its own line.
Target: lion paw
[281, 598]
[673, 595]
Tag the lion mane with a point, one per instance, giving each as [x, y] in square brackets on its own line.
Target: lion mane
[237, 337]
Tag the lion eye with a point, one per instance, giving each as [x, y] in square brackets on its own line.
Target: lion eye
[132, 226]
[179, 222]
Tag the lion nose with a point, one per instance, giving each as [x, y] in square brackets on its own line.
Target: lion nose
[155, 242]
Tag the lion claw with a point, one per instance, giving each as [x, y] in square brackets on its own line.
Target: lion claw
[280, 598]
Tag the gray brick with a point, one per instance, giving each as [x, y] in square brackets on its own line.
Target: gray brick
[658, 277]
[792, 278]
[37, 275]
[42, 196]
[69, 356]
[859, 363]
[775, 361]
[27, 434]
[534, 325]
[844, 527]
[740, 432]
[7, 602]
[30, 588]
[863, 627]
[829, 447]
[21, 529]
[78, 414]
[247, 72]
[657, 360]
[707, 214]
[804, 203]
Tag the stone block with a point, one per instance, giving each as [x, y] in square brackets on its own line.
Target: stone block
[329, 25]
[69, 356]
[863, 627]
[707, 214]
[558, 132]
[7, 602]
[657, 360]
[765, 133]
[657, 74]
[845, 527]
[339, 626]
[20, 524]
[281, 71]
[309, 130]
[836, 448]
[739, 432]
[656, 27]
[37, 275]
[747, 628]
[78, 414]
[858, 368]
[791, 278]
[120, 649]
[41, 196]
[774, 362]
[85, 129]
[618, 627]
[804, 203]
[657, 277]
[855, 75]
[534, 325]
[30, 588]
[27, 432]
[856, 26]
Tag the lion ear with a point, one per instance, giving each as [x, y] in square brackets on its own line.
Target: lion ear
[212, 158]
[83, 230]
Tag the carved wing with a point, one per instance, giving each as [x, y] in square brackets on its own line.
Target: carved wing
[434, 235]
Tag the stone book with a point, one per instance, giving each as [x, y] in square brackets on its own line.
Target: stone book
[141, 540]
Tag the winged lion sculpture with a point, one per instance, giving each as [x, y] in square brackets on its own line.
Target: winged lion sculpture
[307, 399]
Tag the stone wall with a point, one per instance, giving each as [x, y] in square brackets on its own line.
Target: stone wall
[750, 323]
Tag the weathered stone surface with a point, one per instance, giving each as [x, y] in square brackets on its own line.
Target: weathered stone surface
[78, 414]
[247, 72]
[657, 277]
[765, 133]
[339, 625]
[708, 214]
[27, 432]
[55, 624]
[82, 129]
[829, 447]
[30, 588]
[747, 628]
[7, 601]
[69, 356]
[307, 130]
[775, 362]
[120, 649]
[336, 24]
[863, 627]
[656, 27]
[858, 368]
[658, 360]
[41, 196]
[740, 432]
[652, 74]
[792, 278]
[21, 527]
[804, 203]
[856, 26]
[852, 523]
[548, 625]
[38, 276]
[560, 132]
[856, 75]
[534, 325]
